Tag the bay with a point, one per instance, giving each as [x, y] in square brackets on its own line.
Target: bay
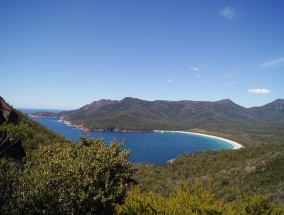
[150, 147]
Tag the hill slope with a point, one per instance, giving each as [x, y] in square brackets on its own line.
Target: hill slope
[271, 112]
[135, 114]
[253, 169]
[36, 134]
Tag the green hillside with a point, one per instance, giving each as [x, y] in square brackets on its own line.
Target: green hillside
[141, 115]
[38, 134]
[253, 169]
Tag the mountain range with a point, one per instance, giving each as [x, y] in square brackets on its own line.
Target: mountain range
[132, 114]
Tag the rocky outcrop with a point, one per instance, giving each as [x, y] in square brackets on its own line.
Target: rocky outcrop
[9, 146]
[7, 113]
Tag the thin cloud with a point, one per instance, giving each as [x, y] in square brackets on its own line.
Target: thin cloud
[170, 80]
[195, 69]
[273, 63]
[259, 91]
[228, 12]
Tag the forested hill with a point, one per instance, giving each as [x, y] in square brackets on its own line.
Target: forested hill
[135, 114]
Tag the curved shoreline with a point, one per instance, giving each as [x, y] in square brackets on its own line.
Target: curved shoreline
[231, 142]
[235, 145]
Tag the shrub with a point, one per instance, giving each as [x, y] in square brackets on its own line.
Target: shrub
[72, 178]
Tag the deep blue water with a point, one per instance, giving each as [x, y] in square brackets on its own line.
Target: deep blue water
[152, 147]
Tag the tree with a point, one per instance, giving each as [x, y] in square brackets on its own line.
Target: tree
[75, 178]
[11, 137]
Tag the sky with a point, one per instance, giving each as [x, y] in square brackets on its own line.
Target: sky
[63, 54]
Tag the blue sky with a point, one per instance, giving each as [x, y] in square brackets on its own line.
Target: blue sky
[64, 54]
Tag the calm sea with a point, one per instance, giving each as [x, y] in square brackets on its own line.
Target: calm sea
[152, 147]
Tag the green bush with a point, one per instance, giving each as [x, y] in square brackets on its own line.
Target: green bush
[9, 174]
[188, 199]
[72, 178]
[194, 199]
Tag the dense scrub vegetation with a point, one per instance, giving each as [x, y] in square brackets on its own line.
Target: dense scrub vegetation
[195, 199]
[72, 178]
[90, 178]
[38, 134]
[253, 169]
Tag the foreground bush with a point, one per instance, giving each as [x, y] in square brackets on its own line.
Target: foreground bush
[9, 175]
[193, 199]
[84, 178]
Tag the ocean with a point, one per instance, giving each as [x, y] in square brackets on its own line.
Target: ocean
[150, 147]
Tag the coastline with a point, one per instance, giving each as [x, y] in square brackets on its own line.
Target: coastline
[231, 142]
[84, 128]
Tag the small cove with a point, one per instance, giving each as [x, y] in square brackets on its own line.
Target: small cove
[150, 147]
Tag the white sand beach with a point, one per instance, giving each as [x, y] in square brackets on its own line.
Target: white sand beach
[233, 143]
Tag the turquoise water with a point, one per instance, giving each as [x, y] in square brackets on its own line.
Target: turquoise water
[150, 147]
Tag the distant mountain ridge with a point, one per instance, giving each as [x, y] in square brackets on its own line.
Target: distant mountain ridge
[134, 114]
